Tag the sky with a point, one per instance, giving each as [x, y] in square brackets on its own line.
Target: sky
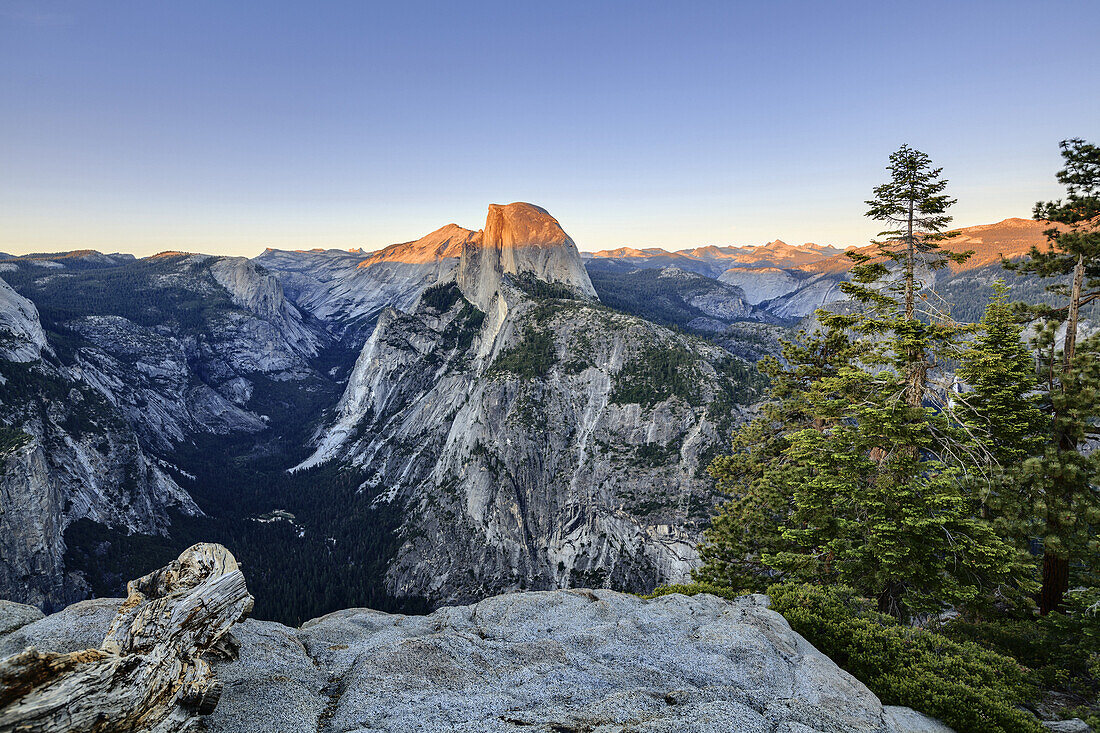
[228, 127]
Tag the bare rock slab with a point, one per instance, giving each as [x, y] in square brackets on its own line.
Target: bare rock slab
[79, 626]
[570, 660]
[907, 720]
[273, 686]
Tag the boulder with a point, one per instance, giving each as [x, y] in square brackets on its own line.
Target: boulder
[15, 616]
[79, 626]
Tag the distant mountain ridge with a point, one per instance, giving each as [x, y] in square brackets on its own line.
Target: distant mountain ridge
[1013, 237]
[789, 283]
[444, 243]
[713, 260]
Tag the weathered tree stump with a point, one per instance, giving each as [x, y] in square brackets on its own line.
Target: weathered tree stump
[148, 674]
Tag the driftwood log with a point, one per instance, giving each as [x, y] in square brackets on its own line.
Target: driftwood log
[148, 674]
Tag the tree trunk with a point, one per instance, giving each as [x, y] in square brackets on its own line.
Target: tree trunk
[150, 674]
[917, 367]
[1055, 582]
[1056, 567]
[1070, 344]
[916, 379]
[889, 600]
[910, 257]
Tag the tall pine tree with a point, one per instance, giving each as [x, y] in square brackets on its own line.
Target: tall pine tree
[1001, 406]
[914, 207]
[867, 480]
[1063, 480]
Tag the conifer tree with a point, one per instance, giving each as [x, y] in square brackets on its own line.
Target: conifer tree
[913, 204]
[867, 480]
[1002, 405]
[1062, 482]
[879, 503]
[885, 509]
[757, 475]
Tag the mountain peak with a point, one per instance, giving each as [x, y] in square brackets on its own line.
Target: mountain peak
[621, 252]
[443, 243]
[710, 251]
[820, 247]
[519, 238]
[524, 225]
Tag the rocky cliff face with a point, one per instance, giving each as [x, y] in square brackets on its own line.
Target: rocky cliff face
[722, 304]
[545, 443]
[261, 294]
[136, 357]
[21, 336]
[347, 290]
[762, 283]
[674, 297]
[177, 342]
[65, 453]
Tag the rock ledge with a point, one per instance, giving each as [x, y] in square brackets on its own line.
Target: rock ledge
[568, 660]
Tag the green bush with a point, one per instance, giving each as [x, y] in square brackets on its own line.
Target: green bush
[969, 688]
[1063, 647]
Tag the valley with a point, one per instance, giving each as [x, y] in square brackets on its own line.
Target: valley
[445, 419]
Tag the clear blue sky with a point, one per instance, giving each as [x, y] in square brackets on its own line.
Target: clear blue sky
[227, 126]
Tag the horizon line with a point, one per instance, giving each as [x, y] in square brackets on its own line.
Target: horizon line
[365, 251]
